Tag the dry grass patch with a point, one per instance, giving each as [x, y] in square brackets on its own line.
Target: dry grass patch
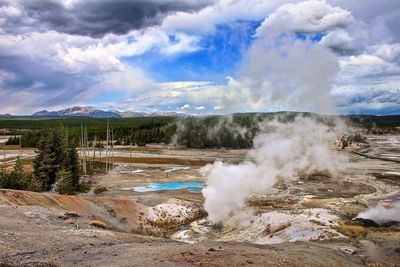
[99, 224]
[315, 175]
[159, 160]
[318, 222]
[11, 147]
[350, 230]
[315, 203]
[262, 201]
[69, 221]
[271, 231]
[99, 189]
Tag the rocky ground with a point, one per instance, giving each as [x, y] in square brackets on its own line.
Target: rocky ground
[304, 223]
[42, 237]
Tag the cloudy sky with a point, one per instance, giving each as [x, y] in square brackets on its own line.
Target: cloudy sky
[200, 56]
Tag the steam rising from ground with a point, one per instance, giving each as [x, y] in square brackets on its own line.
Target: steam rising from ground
[282, 150]
[280, 72]
[381, 215]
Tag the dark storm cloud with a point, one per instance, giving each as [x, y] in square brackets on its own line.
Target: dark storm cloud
[94, 18]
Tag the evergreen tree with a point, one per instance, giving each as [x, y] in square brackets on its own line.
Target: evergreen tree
[17, 179]
[42, 163]
[51, 157]
[72, 166]
[34, 184]
[3, 176]
[58, 149]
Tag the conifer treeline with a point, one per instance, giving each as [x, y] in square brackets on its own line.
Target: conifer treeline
[56, 166]
[123, 135]
[27, 139]
[17, 179]
[193, 132]
[196, 132]
[215, 132]
[56, 163]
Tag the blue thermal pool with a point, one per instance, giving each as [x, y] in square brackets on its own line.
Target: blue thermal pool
[193, 187]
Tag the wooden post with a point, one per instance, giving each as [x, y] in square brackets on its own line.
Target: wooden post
[4, 145]
[94, 147]
[108, 123]
[112, 148]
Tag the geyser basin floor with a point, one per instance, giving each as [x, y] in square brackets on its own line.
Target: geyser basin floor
[272, 227]
[105, 247]
[191, 186]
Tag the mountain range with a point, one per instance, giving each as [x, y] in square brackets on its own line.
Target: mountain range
[96, 113]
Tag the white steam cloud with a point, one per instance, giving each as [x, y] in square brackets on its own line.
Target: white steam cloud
[281, 72]
[381, 215]
[281, 151]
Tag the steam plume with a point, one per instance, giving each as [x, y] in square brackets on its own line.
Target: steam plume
[281, 72]
[284, 72]
[281, 151]
[381, 215]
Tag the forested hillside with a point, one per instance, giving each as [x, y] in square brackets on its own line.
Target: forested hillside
[231, 131]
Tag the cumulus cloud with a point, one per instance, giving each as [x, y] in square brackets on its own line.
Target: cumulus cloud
[366, 69]
[388, 52]
[279, 72]
[190, 108]
[66, 51]
[185, 107]
[72, 69]
[367, 84]
[107, 52]
[305, 17]
[380, 17]
[222, 12]
[67, 68]
[272, 83]
[341, 41]
[369, 101]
